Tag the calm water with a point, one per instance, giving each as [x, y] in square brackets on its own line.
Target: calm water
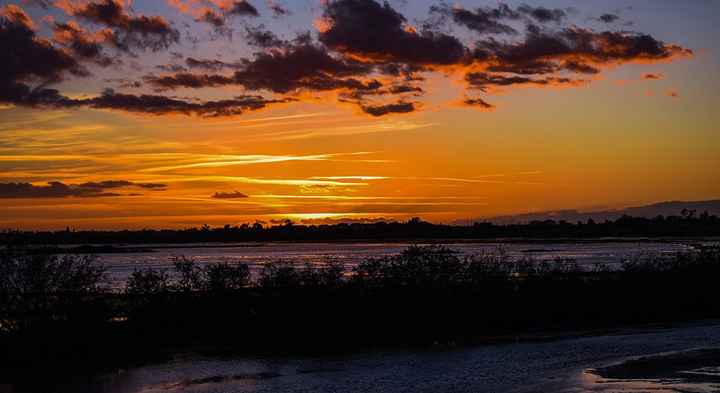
[255, 254]
[563, 366]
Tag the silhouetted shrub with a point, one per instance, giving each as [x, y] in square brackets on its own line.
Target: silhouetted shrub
[328, 275]
[279, 274]
[41, 287]
[218, 277]
[189, 275]
[148, 282]
[213, 277]
[417, 266]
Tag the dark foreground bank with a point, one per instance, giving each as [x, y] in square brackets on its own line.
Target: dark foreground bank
[558, 366]
[57, 319]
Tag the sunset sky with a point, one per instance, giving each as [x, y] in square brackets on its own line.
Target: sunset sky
[176, 113]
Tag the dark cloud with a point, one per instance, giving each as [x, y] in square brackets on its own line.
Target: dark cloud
[369, 30]
[106, 184]
[492, 20]
[16, 16]
[81, 43]
[481, 20]
[478, 102]
[277, 9]
[542, 14]
[27, 59]
[212, 17]
[141, 31]
[529, 68]
[57, 189]
[409, 72]
[44, 4]
[187, 80]
[374, 89]
[160, 105]
[651, 76]
[404, 88]
[229, 195]
[124, 83]
[209, 64]
[152, 186]
[281, 70]
[579, 45]
[171, 68]
[483, 81]
[608, 18]
[145, 103]
[260, 37]
[382, 110]
[21, 94]
[303, 66]
[581, 68]
[244, 8]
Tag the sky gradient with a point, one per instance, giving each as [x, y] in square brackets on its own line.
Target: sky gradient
[133, 114]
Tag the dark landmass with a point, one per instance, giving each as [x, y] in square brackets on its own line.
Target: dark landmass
[697, 367]
[648, 211]
[56, 317]
[689, 223]
[86, 249]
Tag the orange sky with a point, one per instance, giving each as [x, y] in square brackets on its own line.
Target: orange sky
[616, 141]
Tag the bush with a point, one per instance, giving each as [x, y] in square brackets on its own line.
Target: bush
[279, 274]
[214, 277]
[219, 277]
[35, 287]
[417, 266]
[147, 282]
[189, 275]
[328, 275]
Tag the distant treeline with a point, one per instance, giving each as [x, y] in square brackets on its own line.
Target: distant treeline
[56, 316]
[688, 223]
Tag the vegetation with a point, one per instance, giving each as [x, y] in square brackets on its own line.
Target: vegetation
[38, 289]
[56, 311]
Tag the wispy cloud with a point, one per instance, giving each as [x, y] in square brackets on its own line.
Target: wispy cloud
[260, 180]
[368, 128]
[232, 160]
[351, 177]
[362, 198]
